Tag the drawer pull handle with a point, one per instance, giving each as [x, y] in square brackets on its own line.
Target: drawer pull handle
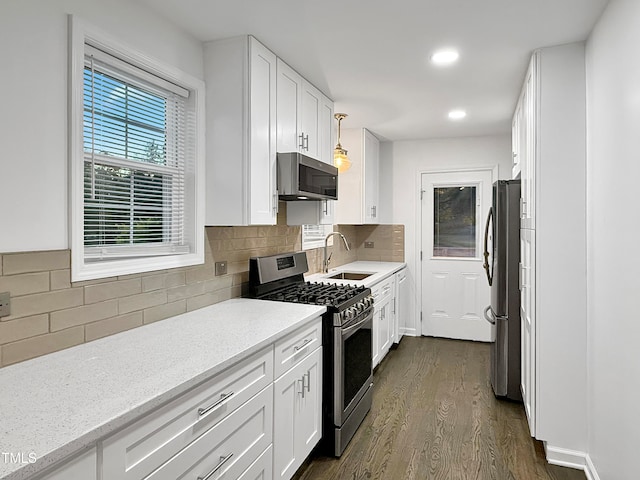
[223, 460]
[297, 348]
[217, 403]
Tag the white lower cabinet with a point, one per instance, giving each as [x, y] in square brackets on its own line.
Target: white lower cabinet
[291, 349]
[261, 469]
[382, 318]
[84, 467]
[297, 414]
[401, 304]
[393, 312]
[384, 337]
[140, 449]
[238, 425]
[227, 449]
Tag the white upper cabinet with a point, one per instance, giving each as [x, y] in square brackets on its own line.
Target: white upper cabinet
[527, 135]
[240, 76]
[318, 212]
[327, 131]
[516, 155]
[311, 108]
[304, 114]
[289, 115]
[358, 192]
[305, 124]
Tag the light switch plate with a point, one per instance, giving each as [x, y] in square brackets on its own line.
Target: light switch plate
[368, 244]
[5, 304]
[221, 268]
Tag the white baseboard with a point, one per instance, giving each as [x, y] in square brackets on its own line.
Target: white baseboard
[590, 469]
[565, 458]
[571, 459]
[410, 332]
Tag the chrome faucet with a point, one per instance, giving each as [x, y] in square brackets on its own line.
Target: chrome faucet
[325, 263]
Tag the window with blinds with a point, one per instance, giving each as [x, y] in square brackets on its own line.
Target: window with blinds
[137, 156]
[313, 236]
[133, 141]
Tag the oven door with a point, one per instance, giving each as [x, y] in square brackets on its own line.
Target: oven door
[353, 373]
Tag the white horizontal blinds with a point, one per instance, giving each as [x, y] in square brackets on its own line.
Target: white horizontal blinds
[134, 157]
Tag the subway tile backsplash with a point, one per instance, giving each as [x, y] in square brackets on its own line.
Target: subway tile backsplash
[50, 313]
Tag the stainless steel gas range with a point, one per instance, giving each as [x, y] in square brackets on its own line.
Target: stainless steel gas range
[347, 339]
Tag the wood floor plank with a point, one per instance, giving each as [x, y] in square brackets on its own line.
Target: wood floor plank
[434, 417]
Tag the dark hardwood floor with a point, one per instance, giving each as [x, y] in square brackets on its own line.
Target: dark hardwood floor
[434, 416]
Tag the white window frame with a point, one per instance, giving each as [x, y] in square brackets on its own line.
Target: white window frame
[82, 34]
[312, 241]
[479, 229]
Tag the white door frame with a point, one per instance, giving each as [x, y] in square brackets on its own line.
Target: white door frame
[418, 234]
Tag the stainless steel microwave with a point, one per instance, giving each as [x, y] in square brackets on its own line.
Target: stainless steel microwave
[305, 178]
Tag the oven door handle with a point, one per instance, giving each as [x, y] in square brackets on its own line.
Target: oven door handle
[356, 325]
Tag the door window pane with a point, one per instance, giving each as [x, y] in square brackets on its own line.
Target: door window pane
[454, 221]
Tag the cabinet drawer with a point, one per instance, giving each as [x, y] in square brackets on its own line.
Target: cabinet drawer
[262, 468]
[297, 345]
[229, 448]
[382, 291]
[137, 450]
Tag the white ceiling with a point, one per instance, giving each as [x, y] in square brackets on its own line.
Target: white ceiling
[371, 56]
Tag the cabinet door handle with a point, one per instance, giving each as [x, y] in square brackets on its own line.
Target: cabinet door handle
[326, 207]
[308, 377]
[301, 392]
[223, 460]
[301, 146]
[297, 348]
[275, 203]
[394, 306]
[373, 211]
[217, 403]
[305, 142]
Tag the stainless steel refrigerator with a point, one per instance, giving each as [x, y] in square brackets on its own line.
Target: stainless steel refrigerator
[502, 264]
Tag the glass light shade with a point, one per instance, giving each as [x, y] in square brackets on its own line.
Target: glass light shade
[340, 160]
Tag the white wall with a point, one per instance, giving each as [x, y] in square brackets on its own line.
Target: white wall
[401, 163]
[33, 120]
[613, 231]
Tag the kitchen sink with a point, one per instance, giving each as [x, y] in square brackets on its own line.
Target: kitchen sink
[350, 276]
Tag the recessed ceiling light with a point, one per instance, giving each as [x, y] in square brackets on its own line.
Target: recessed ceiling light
[445, 57]
[457, 114]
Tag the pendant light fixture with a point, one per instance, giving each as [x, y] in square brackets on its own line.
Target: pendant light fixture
[340, 159]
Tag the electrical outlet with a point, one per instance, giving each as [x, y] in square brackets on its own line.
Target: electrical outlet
[368, 244]
[221, 268]
[5, 304]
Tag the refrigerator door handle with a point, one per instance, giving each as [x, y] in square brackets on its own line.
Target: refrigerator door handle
[491, 319]
[486, 248]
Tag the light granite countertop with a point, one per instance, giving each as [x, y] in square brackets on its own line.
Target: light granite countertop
[379, 271]
[58, 404]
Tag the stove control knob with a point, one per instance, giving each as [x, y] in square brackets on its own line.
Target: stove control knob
[349, 313]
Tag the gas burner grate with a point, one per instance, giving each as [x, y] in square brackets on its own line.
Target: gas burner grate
[316, 293]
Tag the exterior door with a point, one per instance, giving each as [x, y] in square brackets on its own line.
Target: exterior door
[454, 286]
